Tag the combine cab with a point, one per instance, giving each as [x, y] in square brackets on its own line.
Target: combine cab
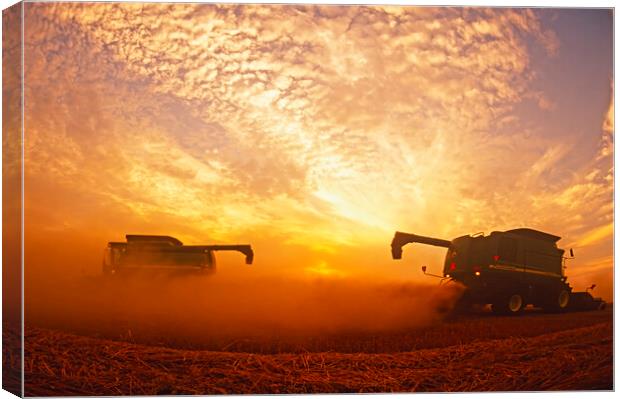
[145, 252]
[508, 269]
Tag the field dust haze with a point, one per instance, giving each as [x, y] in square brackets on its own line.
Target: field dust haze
[211, 311]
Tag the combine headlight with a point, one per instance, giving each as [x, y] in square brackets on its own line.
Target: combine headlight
[477, 273]
[447, 276]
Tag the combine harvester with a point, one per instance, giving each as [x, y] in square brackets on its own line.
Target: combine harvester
[147, 252]
[507, 269]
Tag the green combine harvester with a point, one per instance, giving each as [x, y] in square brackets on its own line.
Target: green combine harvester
[150, 253]
[507, 269]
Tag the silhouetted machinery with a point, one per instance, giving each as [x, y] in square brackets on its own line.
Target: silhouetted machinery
[508, 269]
[150, 252]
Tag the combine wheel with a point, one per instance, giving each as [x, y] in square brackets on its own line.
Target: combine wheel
[558, 302]
[512, 305]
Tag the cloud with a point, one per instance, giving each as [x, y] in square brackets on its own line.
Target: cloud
[597, 234]
[318, 125]
[608, 123]
[546, 104]
[606, 145]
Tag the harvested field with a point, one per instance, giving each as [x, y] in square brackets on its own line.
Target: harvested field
[502, 357]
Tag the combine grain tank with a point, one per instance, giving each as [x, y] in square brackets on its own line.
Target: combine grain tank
[507, 269]
[148, 252]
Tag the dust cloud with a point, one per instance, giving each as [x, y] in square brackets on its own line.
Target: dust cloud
[208, 310]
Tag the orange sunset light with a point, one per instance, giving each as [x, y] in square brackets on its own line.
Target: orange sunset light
[315, 132]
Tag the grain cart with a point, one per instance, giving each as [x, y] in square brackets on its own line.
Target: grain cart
[507, 269]
[149, 252]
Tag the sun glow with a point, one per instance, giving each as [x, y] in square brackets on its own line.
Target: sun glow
[325, 270]
[315, 131]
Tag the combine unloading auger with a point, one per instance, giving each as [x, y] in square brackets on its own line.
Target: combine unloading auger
[508, 269]
[244, 249]
[401, 239]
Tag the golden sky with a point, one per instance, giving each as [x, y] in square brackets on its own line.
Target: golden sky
[314, 133]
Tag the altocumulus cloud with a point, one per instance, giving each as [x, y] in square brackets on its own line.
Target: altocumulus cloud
[325, 124]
